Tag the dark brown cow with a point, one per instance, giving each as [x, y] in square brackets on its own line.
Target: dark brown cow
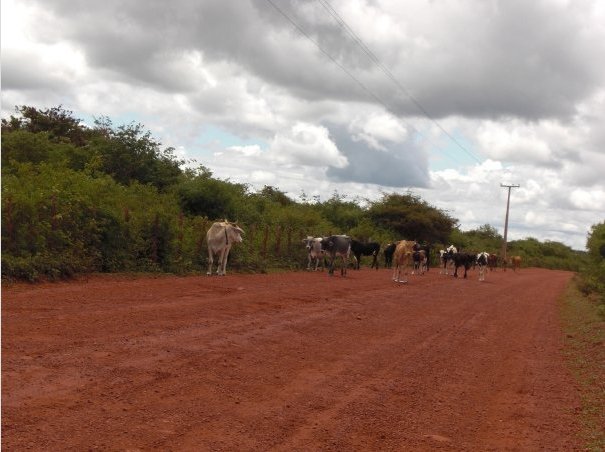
[492, 262]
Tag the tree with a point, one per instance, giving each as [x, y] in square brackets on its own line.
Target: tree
[596, 242]
[201, 194]
[411, 218]
[129, 153]
[57, 122]
[275, 195]
[344, 215]
[27, 147]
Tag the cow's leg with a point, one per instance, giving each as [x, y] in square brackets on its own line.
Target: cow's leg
[396, 271]
[225, 257]
[219, 266]
[399, 267]
[210, 262]
[404, 267]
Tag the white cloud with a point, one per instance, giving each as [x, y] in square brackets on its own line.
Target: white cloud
[247, 151]
[308, 145]
[513, 142]
[588, 199]
[378, 127]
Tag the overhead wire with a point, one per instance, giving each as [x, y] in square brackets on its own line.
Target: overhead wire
[343, 24]
[345, 70]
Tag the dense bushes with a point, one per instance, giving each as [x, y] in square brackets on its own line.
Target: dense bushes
[78, 199]
[593, 273]
[552, 255]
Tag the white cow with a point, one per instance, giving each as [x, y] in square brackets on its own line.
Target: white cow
[315, 252]
[220, 237]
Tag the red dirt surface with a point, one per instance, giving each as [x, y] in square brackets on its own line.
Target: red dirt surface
[293, 361]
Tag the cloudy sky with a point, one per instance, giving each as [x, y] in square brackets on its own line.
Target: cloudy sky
[447, 99]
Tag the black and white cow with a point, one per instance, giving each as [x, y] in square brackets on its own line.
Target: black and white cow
[389, 250]
[420, 260]
[427, 254]
[365, 249]
[483, 263]
[337, 246]
[442, 261]
[315, 252]
[446, 258]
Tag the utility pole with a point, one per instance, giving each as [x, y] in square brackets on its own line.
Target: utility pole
[506, 222]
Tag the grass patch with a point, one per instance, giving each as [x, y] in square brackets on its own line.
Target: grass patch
[584, 349]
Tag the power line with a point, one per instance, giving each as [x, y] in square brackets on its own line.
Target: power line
[345, 70]
[343, 24]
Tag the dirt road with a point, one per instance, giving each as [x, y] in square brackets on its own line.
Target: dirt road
[294, 361]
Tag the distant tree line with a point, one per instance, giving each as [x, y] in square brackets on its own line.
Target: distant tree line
[107, 198]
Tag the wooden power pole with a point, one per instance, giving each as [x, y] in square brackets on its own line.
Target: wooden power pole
[506, 222]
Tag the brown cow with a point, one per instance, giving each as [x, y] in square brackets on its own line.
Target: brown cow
[516, 263]
[402, 259]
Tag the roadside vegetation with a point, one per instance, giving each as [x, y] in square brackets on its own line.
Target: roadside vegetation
[105, 198]
[584, 349]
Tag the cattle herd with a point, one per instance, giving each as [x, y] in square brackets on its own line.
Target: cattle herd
[401, 256]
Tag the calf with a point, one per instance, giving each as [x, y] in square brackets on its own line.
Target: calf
[419, 258]
[483, 262]
[427, 254]
[337, 246]
[365, 249]
[315, 252]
